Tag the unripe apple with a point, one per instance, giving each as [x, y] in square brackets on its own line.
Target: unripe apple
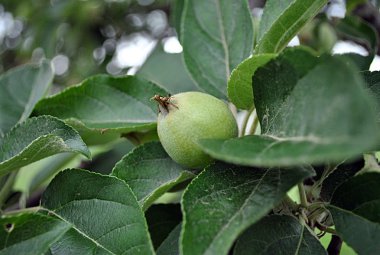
[185, 118]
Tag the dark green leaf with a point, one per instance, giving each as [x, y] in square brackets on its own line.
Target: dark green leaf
[355, 208]
[20, 89]
[168, 70]
[356, 29]
[361, 32]
[282, 20]
[357, 191]
[105, 106]
[29, 233]
[162, 219]
[362, 62]
[352, 4]
[308, 114]
[372, 80]
[224, 200]
[278, 235]
[170, 246]
[74, 243]
[240, 83]
[103, 211]
[342, 173]
[37, 138]
[240, 89]
[150, 172]
[358, 232]
[216, 36]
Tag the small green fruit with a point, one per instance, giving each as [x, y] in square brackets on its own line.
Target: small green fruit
[188, 117]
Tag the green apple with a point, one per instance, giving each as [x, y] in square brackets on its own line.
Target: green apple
[188, 117]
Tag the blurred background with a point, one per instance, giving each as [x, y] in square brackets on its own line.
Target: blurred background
[119, 37]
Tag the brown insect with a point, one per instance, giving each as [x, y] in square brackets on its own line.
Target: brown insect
[164, 102]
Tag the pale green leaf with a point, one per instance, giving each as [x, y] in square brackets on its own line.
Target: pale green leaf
[239, 88]
[282, 20]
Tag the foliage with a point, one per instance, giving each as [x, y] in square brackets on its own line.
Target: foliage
[309, 121]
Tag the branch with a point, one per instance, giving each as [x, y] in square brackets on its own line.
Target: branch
[335, 245]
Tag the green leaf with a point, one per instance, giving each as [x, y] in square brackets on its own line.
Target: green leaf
[282, 20]
[20, 89]
[213, 44]
[162, 219]
[341, 174]
[358, 191]
[352, 4]
[361, 32]
[103, 211]
[239, 88]
[307, 113]
[356, 29]
[150, 172]
[29, 233]
[38, 138]
[105, 106]
[224, 200]
[372, 80]
[358, 232]
[168, 70]
[355, 208]
[170, 246]
[177, 16]
[277, 234]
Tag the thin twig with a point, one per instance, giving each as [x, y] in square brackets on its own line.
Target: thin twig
[302, 193]
[335, 245]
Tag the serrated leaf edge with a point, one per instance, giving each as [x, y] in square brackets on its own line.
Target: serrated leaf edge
[86, 236]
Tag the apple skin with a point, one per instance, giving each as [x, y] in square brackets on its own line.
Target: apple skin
[189, 117]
